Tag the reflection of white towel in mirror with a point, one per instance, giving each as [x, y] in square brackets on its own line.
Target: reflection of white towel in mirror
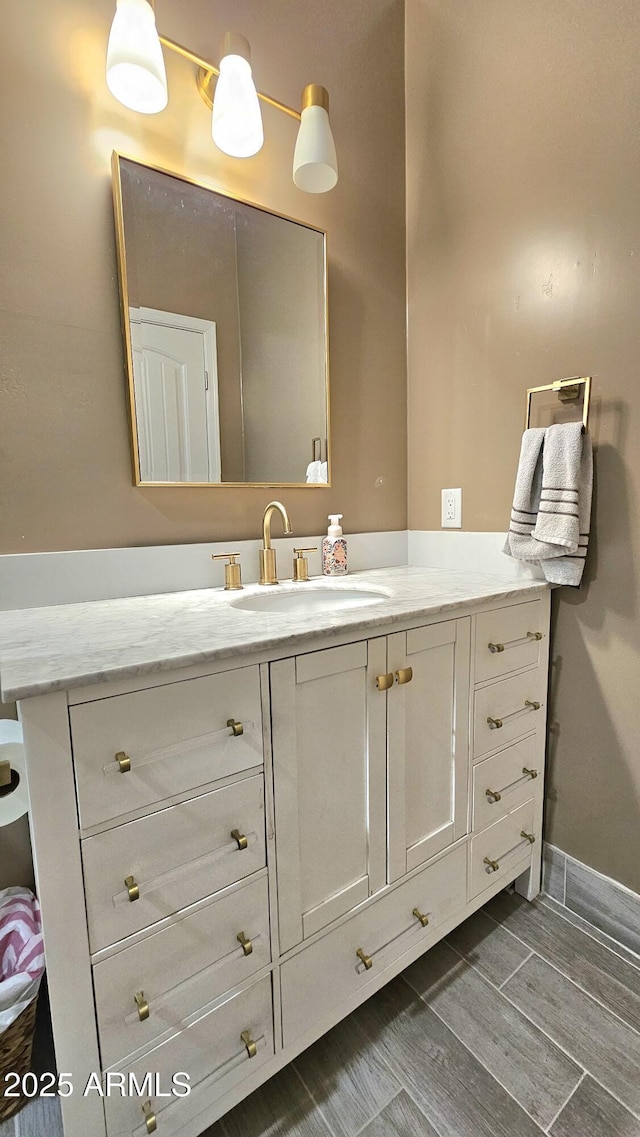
[317, 473]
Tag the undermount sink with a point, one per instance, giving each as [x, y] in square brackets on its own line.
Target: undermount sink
[309, 598]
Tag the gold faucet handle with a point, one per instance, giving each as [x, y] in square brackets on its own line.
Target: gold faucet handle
[301, 563]
[232, 571]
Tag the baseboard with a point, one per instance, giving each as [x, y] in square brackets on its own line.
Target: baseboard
[607, 905]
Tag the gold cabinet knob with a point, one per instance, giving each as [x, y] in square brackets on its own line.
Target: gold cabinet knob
[493, 865]
[383, 682]
[534, 635]
[532, 773]
[530, 837]
[424, 920]
[232, 571]
[252, 1049]
[240, 838]
[142, 1005]
[124, 762]
[247, 945]
[404, 675]
[366, 959]
[495, 647]
[236, 727]
[493, 795]
[132, 888]
[495, 724]
[149, 1117]
[535, 706]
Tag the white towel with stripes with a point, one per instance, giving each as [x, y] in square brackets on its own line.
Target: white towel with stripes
[550, 519]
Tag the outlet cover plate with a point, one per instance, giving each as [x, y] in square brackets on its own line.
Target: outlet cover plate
[452, 509]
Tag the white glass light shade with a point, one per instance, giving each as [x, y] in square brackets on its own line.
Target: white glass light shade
[315, 165]
[135, 66]
[236, 124]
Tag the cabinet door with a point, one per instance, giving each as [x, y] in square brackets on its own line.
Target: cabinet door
[428, 742]
[329, 755]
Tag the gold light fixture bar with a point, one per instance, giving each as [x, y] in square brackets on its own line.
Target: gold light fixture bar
[207, 73]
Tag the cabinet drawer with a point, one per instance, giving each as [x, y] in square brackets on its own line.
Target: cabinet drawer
[495, 853]
[176, 856]
[180, 969]
[515, 706]
[329, 972]
[175, 737]
[506, 639]
[506, 780]
[211, 1051]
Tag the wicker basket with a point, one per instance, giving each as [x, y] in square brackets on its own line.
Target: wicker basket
[15, 1055]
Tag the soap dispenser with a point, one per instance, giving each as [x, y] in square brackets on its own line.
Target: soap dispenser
[334, 549]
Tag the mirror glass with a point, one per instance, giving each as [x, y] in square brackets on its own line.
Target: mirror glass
[224, 315]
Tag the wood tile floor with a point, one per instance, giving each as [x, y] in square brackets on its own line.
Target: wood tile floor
[520, 1023]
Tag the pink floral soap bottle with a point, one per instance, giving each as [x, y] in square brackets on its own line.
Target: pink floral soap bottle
[334, 549]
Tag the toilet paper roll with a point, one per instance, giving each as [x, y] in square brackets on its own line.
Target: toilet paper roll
[14, 803]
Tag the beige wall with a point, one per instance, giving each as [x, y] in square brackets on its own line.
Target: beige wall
[523, 230]
[66, 469]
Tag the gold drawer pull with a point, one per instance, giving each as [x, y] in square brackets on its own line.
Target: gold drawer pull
[495, 724]
[240, 838]
[247, 945]
[383, 682]
[236, 727]
[424, 920]
[535, 706]
[252, 1049]
[124, 762]
[142, 1005]
[529, 836]
[493, 795]
[132, 888]
[149, 1117]
[532, 773]
[404, 675]
[493, 865]
[515, 643]
[366, 959]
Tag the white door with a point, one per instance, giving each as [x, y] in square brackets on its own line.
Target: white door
[328, 721]
[175, 385]
[428, 742]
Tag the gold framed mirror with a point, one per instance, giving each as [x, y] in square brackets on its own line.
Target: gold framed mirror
[224, 314]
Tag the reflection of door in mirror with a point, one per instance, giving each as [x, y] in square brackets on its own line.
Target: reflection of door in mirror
[176, 396]
[215, 287]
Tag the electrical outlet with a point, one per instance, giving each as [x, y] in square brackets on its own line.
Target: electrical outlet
[451, 509]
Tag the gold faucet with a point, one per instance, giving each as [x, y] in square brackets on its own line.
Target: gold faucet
[268, 573]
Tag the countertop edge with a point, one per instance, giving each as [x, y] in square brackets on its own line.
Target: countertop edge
[355, 624]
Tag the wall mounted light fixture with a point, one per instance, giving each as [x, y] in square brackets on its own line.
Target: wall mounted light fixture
[136, 76]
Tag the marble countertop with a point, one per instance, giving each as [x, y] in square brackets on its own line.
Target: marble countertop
[73, 645]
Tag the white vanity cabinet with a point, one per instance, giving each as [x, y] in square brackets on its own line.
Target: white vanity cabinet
[329, 755]
[428, 747]
[370, 753]
[230, 858]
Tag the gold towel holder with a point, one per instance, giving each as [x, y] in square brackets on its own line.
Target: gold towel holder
[567, 390]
